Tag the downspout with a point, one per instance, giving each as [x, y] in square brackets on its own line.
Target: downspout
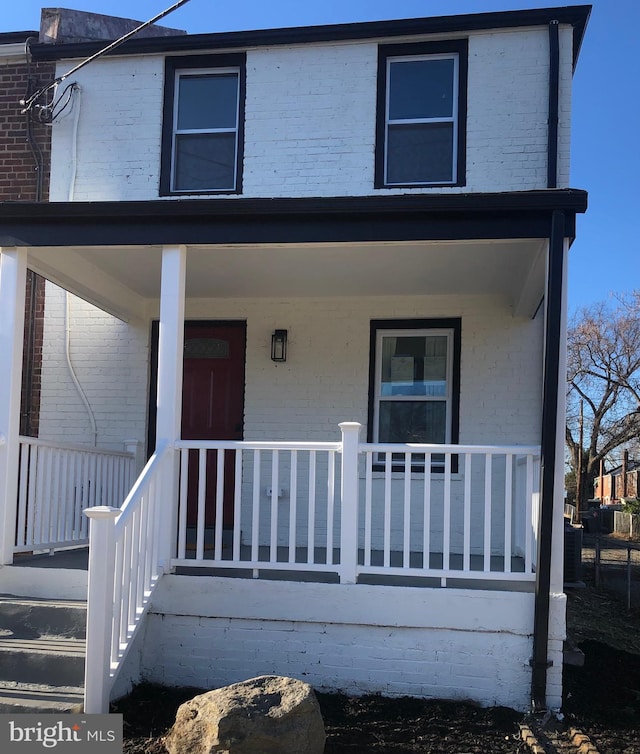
[67, 317]
[551, 379]
[553, 324]
[554, 98]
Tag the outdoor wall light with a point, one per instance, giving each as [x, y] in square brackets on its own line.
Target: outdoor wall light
[279, 345]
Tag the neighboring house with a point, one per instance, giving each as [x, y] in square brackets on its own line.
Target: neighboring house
[340, 253]
[620, 482]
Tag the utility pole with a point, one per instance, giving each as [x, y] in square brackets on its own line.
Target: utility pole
[579, 469]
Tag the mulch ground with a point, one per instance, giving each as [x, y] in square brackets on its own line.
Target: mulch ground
[602, 698]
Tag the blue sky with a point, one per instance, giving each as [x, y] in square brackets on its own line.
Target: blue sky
[606, 103]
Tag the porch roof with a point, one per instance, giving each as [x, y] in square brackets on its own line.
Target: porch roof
[410, 217]
[109, 252]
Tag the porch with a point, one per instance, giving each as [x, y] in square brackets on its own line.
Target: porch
[461, 514]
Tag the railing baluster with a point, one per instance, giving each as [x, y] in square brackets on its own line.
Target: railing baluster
[52, 499]
[368, 507]
[530, 532]
[331, 488]
[388, 470]
[275, 482]
[70, 495]
[293, 505]
[134, 555]
[466, 546]
[220, 490]
[255, 511]
[116, 629]
[487, 513]
[311, 540]
[22, 495]
[237, 504]
[426, 508]
[446, 544]
[406, 539]
[85, 498]
[508, 501]
[32, 514]
[64, 492]
[182, 503]
[41, 522]
[202, 493]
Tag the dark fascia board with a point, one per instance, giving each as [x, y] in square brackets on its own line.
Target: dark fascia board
[574, 15]
[309, 220]
[16, 37]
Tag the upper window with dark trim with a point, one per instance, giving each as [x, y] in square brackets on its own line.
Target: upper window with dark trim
[414, 381]
[203, 125]
[421, 120]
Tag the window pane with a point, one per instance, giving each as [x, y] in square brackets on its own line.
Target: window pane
[208, 101]
[414, 365]
[205, 162]
[421, 89]
[413, 421]
[420, 153]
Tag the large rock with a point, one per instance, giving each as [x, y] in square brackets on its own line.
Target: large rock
[265, 715]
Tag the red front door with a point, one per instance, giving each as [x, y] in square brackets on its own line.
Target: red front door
[213, 405]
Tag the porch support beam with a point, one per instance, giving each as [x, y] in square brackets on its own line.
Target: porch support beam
[169, 392]
[13, 276]
[552, 452]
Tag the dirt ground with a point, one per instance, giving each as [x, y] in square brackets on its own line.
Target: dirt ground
[602, 699]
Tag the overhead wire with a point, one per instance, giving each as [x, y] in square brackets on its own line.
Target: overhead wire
[30, 102]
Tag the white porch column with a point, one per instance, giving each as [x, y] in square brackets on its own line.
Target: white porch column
[169, 400]
[349, 503]
[13, 276]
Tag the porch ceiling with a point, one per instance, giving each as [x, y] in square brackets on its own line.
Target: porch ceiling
[123, 280]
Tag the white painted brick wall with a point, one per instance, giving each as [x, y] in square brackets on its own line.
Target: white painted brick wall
[389, 640]
[111, 362]
[310, 121]
[325, 379]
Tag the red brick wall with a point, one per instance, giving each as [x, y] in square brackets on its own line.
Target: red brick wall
[19, 174]
[32, 355]
[19, 182]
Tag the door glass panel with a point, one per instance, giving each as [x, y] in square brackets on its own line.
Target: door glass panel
[206, 348]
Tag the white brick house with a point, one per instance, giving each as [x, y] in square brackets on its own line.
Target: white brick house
[392, 199]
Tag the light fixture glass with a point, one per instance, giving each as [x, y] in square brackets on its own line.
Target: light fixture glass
[279, 345]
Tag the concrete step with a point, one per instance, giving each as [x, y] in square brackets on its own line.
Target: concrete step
[42, 654]
[45, 660]
[18, 698]
[31, 618]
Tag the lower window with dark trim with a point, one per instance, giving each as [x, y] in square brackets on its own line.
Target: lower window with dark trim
[414, 386]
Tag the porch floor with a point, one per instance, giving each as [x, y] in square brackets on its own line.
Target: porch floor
[77, 559]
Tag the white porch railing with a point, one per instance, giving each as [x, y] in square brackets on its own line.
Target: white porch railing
[347, 508]
[125, 564]
[359, 510]
[57, 482]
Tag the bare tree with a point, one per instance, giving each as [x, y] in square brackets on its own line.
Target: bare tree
[604, 376]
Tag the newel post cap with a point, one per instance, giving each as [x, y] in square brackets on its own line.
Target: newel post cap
[101, 512]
